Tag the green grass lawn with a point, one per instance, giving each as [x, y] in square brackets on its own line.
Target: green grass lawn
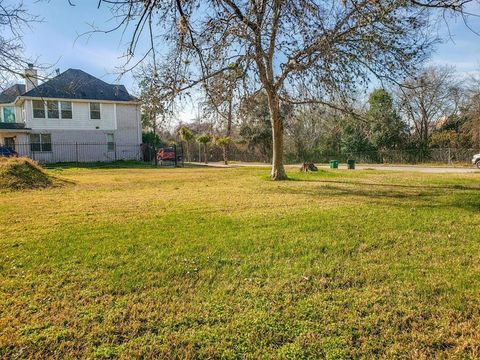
[222, 263]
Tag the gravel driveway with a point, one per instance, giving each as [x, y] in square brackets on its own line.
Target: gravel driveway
[417, 168]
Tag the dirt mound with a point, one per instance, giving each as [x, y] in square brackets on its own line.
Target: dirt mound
[23, 173]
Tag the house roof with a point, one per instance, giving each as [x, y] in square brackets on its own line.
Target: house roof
[77, 84]
[9, 95]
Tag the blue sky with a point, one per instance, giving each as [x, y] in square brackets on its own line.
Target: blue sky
[56, 41]
[460, 46]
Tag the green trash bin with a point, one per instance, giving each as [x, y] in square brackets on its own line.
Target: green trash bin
[351, 164]
[334, 164]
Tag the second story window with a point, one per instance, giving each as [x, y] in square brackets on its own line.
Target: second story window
[52, 109]
[38, 109]
[95, 111]
[66, 109]
[9, 114]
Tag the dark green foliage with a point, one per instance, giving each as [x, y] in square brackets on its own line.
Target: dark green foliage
[388, 131]
[355, 136]
[454, 122]
[152, 139]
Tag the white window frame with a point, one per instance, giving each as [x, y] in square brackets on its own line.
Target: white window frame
[41, 143]
[99, 110]
[59, 109]
[44, 110]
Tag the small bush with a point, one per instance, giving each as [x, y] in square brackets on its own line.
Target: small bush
[22, 173]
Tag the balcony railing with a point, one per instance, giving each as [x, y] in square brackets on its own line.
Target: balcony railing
[12, 126]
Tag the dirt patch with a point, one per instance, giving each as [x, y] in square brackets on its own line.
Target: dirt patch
[23, 173]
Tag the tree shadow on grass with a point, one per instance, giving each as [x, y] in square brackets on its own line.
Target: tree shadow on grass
[348, 190]
[398, 195]
[393, 185]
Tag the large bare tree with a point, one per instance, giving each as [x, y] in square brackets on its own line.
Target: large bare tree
[431, 96]
[14, 18]
[287, 47]
[471, 110]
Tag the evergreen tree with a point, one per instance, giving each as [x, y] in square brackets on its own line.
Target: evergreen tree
[388, 130]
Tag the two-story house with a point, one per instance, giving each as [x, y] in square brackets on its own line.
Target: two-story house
[71, 117]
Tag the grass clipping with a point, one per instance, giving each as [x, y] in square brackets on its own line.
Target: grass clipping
[23, 173]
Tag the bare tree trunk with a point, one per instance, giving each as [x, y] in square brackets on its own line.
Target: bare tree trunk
[225, 154]
[226, 147]
[205, 151]
[229, 120]
[278, 170]
[154, 128]
[187, 151]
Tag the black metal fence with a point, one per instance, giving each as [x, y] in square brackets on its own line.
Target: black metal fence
[194, 152]
[48, 153]
[441, 156]
[109, 152]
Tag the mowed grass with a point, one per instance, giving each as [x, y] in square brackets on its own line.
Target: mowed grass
[222, 263]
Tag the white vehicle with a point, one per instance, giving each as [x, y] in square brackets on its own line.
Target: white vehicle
[476, 160]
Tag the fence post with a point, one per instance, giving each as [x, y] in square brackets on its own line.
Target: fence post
[175, 151]
[76, 152]
[449, 157]
[183, 159]
[155, 153]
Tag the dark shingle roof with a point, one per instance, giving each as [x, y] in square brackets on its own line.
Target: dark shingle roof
[9, 95]
[77, 84]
